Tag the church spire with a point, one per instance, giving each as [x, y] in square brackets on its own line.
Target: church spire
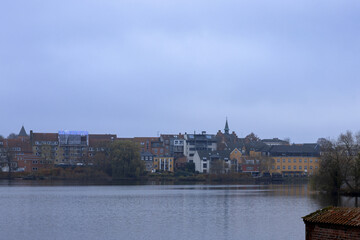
[22, 132]
[226, 129]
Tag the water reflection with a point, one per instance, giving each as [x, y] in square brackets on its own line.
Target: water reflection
[335, 200]
[159, 212]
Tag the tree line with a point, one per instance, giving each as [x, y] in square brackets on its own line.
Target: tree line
[339, 170]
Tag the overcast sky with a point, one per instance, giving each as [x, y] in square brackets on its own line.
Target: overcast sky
[277, 68]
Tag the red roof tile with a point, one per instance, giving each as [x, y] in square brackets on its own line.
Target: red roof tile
[53, 137]
[335, 215]
[96, 138]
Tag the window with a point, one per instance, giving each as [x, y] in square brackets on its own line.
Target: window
[305, 167]
[272, 167]
[34, 168]
[316, 160]
[316, 167]
[289, 160]
[278, 167]
[294, 160]
[311, 160]
[204, 165]
[283, 167]
[289, 167]
[311, 167]
[300, 167]
[278, 160]
[283, 160]
[294, 167]
[305, 160]
[300, 160]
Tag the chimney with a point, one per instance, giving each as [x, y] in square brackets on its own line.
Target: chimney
[31, 137]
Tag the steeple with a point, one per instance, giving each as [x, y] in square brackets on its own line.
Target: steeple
[226, 129]
[22, 132]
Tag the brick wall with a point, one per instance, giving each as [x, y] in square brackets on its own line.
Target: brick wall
[330, 232]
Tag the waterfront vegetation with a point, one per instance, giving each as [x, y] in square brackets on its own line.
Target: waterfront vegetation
[339, 171]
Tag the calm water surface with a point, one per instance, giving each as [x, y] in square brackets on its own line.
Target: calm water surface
[156, 211]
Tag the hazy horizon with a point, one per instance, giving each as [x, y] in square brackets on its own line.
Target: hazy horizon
[142, 68]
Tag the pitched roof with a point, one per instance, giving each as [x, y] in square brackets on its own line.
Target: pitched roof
[45, 137]
[296, 149]
[22, 132]
[345, 216]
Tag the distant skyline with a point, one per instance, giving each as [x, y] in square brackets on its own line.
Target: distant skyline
[138, 68]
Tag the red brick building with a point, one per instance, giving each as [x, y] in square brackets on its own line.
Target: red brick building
[333, 223]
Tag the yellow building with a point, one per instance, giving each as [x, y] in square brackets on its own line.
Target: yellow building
[236, 155]
[295, 164]
[296, 159]
[163, 164]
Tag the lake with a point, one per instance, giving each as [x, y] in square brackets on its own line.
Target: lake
[162, 212]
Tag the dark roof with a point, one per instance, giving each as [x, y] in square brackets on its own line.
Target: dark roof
[257, 146]
[306, 149]
[214, 154]
[22, 132]
[274, 140]
[335, 215]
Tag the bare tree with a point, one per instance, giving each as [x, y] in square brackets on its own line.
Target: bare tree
[251, 138]
[217, 166]
[6, 158]
[340, 164]
[12, 136]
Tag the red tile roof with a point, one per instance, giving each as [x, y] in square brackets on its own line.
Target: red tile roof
[53, 137]
[96, 138]
[335, 215]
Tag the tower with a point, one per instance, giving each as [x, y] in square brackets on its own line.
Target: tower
[226, 129]
[22, 132]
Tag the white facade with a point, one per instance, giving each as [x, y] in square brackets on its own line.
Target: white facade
[195, 142]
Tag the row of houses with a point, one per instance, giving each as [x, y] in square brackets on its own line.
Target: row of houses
[210, 153]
